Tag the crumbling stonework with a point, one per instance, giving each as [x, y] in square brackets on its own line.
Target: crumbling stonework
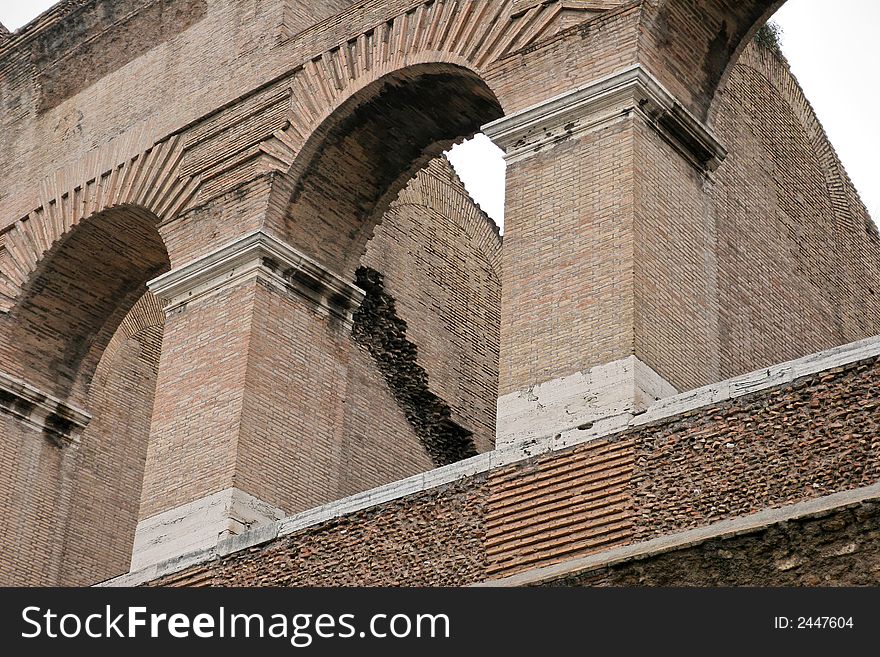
[383, 333]
[432, 539]
[672, 202]
[601, 494]
[837, 548]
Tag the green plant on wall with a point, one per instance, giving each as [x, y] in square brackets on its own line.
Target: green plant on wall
[770, 37]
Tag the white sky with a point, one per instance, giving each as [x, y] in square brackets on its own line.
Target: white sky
[832, 53]
[15, 13]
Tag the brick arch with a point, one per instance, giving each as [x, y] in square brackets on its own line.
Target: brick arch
[760, 62]
[691, 45]
[144, 324]
[841, 224]
[105, 179]
[76, 296]
[436, 39]
[362, 156]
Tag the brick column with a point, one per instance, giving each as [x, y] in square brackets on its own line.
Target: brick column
[248, 403]
[608, 296]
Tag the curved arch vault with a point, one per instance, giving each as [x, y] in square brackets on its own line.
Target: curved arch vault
[253, 166]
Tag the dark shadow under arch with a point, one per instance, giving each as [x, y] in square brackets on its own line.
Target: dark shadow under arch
[362, 156]
[73, 304]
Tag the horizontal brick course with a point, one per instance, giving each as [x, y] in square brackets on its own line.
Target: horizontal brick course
[550, 492]
[142, 134]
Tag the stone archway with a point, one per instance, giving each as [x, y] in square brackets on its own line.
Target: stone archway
[77, 296]
[59, 329]
[359, 159]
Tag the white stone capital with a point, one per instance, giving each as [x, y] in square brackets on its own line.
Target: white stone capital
[261, 255]
[600, 103]
[54, 418]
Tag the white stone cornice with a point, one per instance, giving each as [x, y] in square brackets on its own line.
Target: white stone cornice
[57, 420]
[600, 103]
[259, 254]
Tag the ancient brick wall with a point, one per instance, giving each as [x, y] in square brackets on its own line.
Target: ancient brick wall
[675, 305]
[798, 257]
[75, 523]
[692, 46]
[441, 261]
[35, 483]
[586, 296]
[702, 277]
[814, 438]
[150, 132]
[299, 15]
[573, 57]
[106, 487]
[792, 443]
[836, 548]
[440, 258]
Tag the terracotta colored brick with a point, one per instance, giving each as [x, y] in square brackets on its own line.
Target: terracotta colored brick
[141, 135]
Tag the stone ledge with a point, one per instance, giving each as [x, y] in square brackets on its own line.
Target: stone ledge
[286, 526]
[662, 410]
[771, 377]
[259, 254]
[671, 542]
[58, 421]
[595, 105]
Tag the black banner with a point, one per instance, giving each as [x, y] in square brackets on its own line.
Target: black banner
[437, 621]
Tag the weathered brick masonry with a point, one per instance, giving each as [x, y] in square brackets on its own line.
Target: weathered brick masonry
[817, 436]
[833, 548]
[675, 216]
[428, 233]
[433, 539]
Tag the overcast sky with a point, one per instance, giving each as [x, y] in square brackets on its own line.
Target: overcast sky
[832, 53]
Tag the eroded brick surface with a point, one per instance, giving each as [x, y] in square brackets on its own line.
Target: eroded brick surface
[432, 539]
[839, 548]
[669, 477]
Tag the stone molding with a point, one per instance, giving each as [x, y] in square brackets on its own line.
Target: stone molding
[57, 420]
[259, 255]
[765, 379]
[595, 105]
